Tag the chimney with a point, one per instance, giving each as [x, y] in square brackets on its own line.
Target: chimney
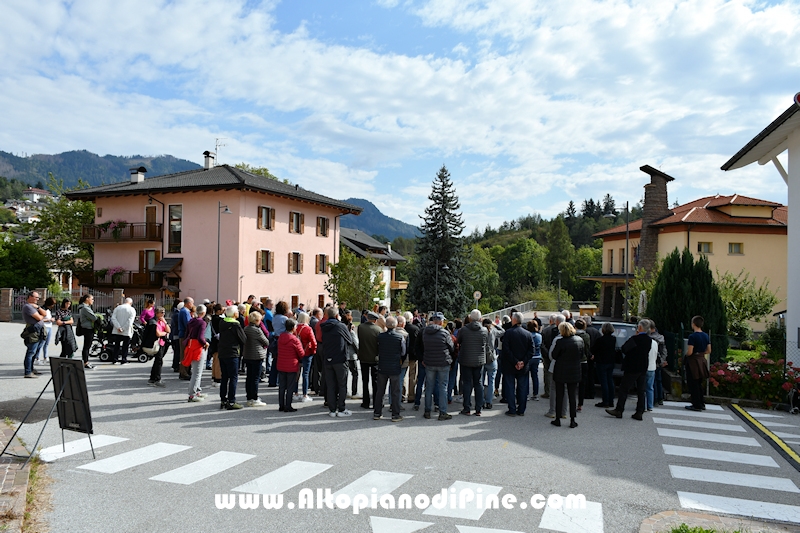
[655, 208]
[137, 174]
[209, 159]
[389, 247]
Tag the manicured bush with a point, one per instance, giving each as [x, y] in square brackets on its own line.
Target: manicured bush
[757, 379]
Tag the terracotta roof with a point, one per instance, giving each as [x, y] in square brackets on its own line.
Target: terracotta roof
[37, 191]
[222, 177]
[703, 211]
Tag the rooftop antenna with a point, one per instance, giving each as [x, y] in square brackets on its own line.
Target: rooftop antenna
[217, 145]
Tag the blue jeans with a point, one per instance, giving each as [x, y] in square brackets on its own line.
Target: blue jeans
[535, 362]
[45, 344]
[306, 362]
[230, 378]
[515, 387]
[605, 375]
[451, 382]
[651, 376]
[403, 372]
[30, 353]
[420, 383]
[490, 371]
[658, 386]
[436, 377]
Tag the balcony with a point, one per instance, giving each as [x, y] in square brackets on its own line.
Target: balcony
[130, 232]
[398, 285]
[122, 280]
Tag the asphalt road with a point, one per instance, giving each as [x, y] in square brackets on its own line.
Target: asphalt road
[623, 467]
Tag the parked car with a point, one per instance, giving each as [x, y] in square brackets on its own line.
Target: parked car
[622, 332]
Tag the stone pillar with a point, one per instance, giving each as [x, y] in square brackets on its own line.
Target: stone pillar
[655, 207]
[117, 295]
[6, 303]
[42, 295]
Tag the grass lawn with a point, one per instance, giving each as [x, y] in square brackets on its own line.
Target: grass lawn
[742, 356]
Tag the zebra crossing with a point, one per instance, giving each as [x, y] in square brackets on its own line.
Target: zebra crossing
[709, 437]
[296, 474]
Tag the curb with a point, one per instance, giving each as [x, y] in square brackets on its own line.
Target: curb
[13, 483]
[663, 522]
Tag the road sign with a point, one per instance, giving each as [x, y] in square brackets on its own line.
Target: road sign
[477, 295]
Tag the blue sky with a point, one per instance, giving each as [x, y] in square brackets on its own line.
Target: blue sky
[529, 104]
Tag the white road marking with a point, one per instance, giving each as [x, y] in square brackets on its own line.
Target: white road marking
[205, 467]
[77, 446]
[696, 414]
[698, 424]
[709, 437]
[739, 507]
[283, 478]
[473, 529]
[384, 482]
[786, 435]
[137, 457]
[684, 405]
[589, 520]
[715, 455]
[776, 424]
[471, 511]
[395, 525]
[733, 478]
[763, 415]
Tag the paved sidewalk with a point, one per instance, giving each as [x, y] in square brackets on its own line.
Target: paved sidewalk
[665, 521]
[13, 484]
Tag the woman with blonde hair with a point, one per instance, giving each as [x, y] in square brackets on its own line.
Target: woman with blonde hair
[567, 354]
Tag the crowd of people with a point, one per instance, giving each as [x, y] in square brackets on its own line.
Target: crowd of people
[475, 361]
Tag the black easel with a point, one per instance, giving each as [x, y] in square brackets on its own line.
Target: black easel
[64, 372]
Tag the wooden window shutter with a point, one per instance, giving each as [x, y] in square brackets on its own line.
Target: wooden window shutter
[258, 260]
[260, 218]
[302, 223]
[291, 262]
[271, 262]
[301, 262]
[316, 267]
[142, 264]
[319, 229]
[271, 219]
[291, 222]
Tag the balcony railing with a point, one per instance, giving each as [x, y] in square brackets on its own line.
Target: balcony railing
[131, 232]
[121, 280]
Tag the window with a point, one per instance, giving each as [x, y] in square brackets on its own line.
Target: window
[265, 261]
[296, 222]
[705, 248]
[99, 212]
[175, 228]
[622, 260]
[736, 248]
[321, 301]
[322, 264]
[322, 227]
[266, 218]
[295, 263]
[611, 261]
[295, 301]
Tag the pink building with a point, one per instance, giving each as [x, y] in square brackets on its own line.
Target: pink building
[159, 236]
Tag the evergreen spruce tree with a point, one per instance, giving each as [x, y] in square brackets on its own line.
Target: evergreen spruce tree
[441, 244]
[560, 252]
[686, 288]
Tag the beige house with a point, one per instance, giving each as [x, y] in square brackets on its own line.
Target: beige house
[734, 232]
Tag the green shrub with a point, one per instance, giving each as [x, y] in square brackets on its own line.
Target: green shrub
[774, 339]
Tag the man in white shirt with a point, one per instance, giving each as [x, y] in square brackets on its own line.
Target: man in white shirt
[122, 321]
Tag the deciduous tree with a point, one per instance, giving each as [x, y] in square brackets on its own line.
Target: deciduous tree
[355, 280]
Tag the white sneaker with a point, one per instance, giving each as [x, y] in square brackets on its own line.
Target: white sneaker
[297, 398]
[249, 403]
[159, 384]
[257, 402]
[332, 414]
[195, 399]
[346, 412]
[306, 399]
[200, 394]
[214, 384]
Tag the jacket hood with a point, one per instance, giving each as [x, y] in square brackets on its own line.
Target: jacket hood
[658, 337]
[430, 329]
[329, 324]
[474, 326]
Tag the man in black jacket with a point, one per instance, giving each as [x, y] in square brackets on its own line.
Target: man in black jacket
[473, 340]
[437, 350]
[391, 350]
[517, 354]
[636, 352]
[231, 343]
[413, 331]
[335, 338]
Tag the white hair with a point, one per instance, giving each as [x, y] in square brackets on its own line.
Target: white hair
[391, 322]
[408, 316]
[560, 318]
[566, 313]
[129, 301]
[200, 310]
[303, 318]
[241, 307]
[401, 321]
[180, 306]
[516, 316]
[475, 315]
[506, 319]
[230, 311]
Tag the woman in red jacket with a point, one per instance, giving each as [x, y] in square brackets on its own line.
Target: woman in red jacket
[290, 353]
[309, 342]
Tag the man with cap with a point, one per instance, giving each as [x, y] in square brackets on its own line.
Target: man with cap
[437, 355]
[368, 356]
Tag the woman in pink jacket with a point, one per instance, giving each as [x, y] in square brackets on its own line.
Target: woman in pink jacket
[290, 353]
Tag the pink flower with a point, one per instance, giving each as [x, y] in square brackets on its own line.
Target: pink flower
[720, 372]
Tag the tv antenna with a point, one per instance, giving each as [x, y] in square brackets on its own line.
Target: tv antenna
[217, 146]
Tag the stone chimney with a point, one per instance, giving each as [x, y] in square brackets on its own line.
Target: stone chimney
[137, 174]
[655, 208]
[209, 159]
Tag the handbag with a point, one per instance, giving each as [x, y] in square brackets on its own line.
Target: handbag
[152, 350]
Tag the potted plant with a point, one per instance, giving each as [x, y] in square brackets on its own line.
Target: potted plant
[116, 274]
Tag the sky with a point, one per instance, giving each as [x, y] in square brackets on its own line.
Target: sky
[529, 104]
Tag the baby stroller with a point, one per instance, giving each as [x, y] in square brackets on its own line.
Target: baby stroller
[102, 349]
[794, 400]
[100, 335]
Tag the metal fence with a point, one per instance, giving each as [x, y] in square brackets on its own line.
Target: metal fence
[539, 305]
[102, 301]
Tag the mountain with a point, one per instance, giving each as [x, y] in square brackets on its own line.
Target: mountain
[372, 222]
[91, 168]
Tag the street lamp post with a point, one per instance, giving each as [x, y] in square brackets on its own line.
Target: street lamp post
[627, 261]
[436, 290]
[220, 212]
[559, 290]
